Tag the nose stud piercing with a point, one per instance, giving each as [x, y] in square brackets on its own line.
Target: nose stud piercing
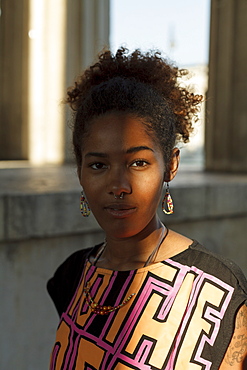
[120, 196]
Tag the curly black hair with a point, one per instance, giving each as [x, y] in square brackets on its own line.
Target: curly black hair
[144, 85]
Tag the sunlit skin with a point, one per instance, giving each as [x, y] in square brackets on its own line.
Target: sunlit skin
[120, 156]
[236, 355]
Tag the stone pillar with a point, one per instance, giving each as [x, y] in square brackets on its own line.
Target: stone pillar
[46, 80]
[95, 28]
[43, 46]
[88, 29]
[13, 79]
[226, 122]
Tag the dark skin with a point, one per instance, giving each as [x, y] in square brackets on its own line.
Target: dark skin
[119, 156]
[236, 355]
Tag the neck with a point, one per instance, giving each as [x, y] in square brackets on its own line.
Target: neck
[131, 253]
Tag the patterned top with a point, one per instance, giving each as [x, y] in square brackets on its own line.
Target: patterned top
[181, 316]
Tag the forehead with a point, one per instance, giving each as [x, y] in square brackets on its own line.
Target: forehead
[119, 130]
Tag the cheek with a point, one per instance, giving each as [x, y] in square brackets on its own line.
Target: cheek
[152, 187]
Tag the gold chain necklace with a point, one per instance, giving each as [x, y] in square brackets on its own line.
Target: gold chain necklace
[99, 309]
[104, 310]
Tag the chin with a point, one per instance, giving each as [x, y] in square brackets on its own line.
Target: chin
[122, 232]
[121, 228]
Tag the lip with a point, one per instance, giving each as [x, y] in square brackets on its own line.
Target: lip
[120, 210]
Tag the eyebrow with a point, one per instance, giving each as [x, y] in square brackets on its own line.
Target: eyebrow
[96, 154]
[133, 149]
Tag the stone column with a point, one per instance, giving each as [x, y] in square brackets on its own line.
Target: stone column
[43, 46]
[226, 121]
[13, 79]
[88, 29]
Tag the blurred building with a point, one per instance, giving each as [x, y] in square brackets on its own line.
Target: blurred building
[192, 153]
[44, 45]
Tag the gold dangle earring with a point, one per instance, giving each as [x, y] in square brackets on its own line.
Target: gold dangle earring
[167, 204]
[84, 206]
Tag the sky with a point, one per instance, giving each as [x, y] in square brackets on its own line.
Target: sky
[178, 28]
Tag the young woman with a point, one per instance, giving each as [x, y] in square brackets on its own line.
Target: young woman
[147, 297]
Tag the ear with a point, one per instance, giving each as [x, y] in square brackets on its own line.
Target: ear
[173, 167]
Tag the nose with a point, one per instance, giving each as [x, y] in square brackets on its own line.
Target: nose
[118, 182]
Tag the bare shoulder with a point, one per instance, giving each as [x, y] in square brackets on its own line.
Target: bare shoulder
[236, 355]
[174, 243]
[178, 239]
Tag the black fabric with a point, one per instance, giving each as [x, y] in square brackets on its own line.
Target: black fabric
[62, 286]
[215, 271]
[214, 266]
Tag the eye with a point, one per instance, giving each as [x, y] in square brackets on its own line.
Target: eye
[139, 163]
[98, 166]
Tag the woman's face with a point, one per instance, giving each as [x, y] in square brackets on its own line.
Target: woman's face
[120, 157]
